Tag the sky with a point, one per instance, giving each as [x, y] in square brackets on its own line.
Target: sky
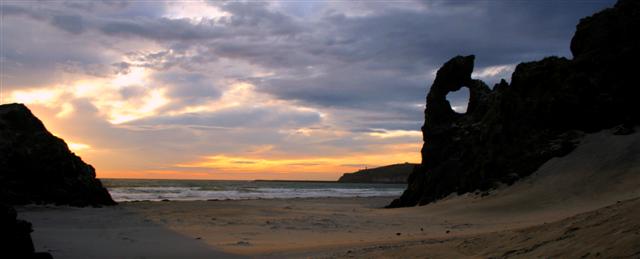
[257, 89]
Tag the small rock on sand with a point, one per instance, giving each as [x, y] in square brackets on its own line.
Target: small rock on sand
[243, 243]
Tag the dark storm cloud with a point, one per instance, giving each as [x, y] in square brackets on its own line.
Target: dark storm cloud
[383, 53]
[186, 89]
[34, 55]
[160, 29]
[349, 87]
[258, 17]
[69, 23]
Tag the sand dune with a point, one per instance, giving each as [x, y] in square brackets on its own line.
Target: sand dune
[610, 232]
[583, 204]
[603, 169]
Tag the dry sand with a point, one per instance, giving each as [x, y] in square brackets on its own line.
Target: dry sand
[583, 204]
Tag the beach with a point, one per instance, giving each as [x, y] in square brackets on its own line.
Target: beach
[318, 228]
[319, 129]
[572, 206]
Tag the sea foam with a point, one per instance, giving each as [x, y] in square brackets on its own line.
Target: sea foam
[156, 190]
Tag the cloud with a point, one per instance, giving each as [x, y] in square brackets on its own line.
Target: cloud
[305, 79]
[237, 117]
[39, 56]
[186, 88]
[70, 23]
[159, 29]
[257, 17]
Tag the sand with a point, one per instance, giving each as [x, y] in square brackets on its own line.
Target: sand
[583, 204]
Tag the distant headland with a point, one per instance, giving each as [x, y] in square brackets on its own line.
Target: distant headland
[397, 173]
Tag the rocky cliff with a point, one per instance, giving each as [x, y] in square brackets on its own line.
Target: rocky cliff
[511, 129]
[397, 173]
[37, 167]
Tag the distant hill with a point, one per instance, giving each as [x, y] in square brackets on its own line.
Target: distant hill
[397, 173]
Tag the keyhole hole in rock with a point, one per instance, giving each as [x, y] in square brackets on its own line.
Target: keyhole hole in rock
[459, 100]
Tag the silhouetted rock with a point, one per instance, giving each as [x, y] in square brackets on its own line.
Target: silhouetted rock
[37, 167]
[15, 236]
[397, 173]
[510, 131]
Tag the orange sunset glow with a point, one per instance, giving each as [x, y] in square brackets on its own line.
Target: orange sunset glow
[91, 104]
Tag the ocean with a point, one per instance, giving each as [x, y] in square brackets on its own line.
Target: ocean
[189, 190]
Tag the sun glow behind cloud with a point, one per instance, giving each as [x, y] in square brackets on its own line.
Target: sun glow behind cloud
[123, 111]
[38, 96]
[134, 76]
[77, 147]
[103, 93]
[382, 133]
[195, 11]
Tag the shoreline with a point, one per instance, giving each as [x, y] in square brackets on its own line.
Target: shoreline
[242, 199]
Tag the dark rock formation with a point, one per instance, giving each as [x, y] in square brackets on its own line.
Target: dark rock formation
[512, 129]
[397, 173]
[37, 167]
[15, 236]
